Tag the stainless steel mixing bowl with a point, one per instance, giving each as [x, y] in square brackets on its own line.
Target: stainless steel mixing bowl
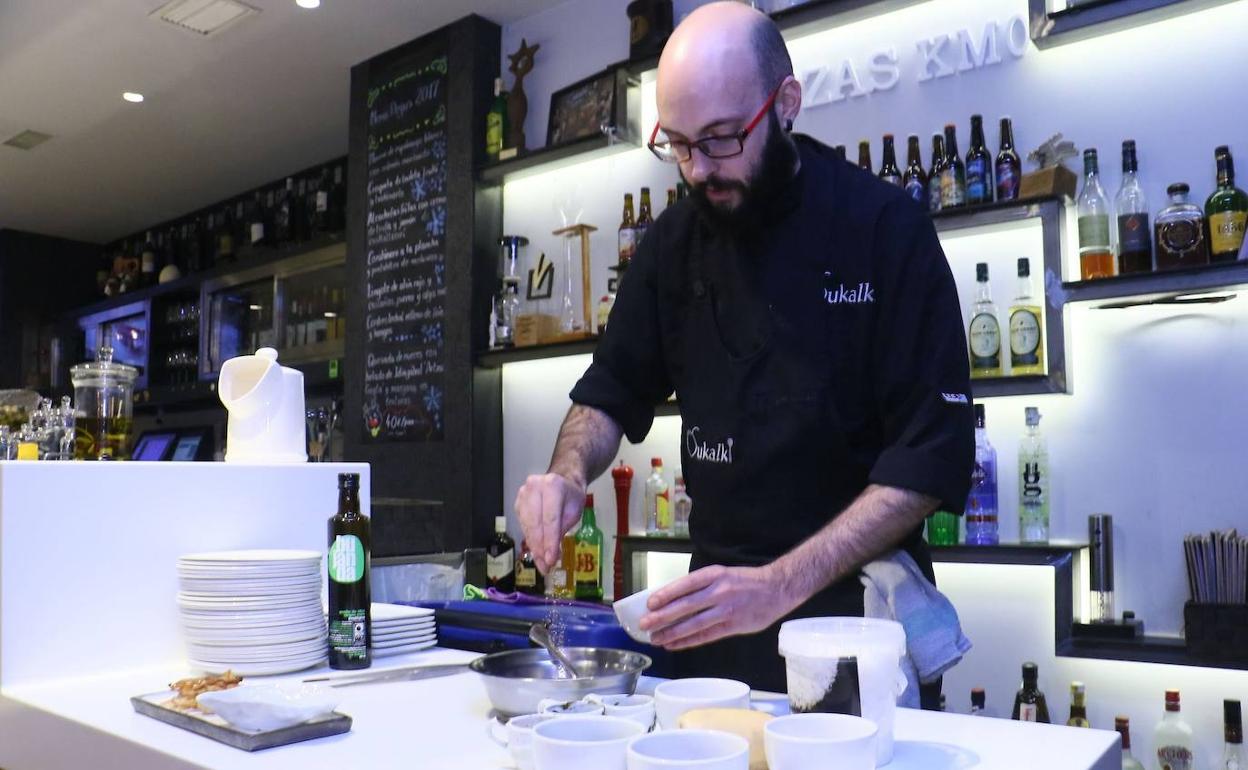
[517, 680]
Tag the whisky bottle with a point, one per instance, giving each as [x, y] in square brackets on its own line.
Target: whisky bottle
[889, 171]
[1226, 211]
[528, 579]
[350, 610]
[984, 337]
[979, 177]
[934, 175]
[1180, 232]
[1135, 246]
[953, 173]
[1173, 737]
[1096, 253]
[500, 559]
[1029, 703]
[1123, 726]
[587, 577]
[1026, 332]
[1078, 709]
[1009, 167]
[915, 179]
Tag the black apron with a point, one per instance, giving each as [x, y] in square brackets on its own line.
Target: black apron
[764, 454]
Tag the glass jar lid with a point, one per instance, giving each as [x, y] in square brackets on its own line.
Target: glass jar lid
[103, 370]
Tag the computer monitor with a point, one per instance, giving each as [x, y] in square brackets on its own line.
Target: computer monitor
[153, 445]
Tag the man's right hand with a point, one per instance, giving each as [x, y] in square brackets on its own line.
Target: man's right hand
[548, 506]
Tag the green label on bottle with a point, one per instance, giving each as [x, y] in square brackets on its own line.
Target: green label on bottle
[346, 559]
[493, 133]
[1094, 231]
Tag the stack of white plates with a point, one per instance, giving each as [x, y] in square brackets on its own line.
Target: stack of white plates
[253, 612]
[398, 629]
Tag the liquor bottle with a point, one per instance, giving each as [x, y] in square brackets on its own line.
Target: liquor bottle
[984, 337]
[208, 240]
[1033, 482]
[588, 576]
[1078, 709]
[192, 248]
[864, 156]
[978, 699]
[320, 205]
[1009, 167]
[889, 171]
[1173, 737]
[147, 261]
[981, 503]
[1233, 754]
[1180, 232]
[627, 233]
[1029, 703]
[350, 610]
[257, 233]
[839, 151]
[564, 575]
[953, 173]
[337, 219]
[283, 222]
[979, 177]
[1226, 211]
[300, 225]
[942, 528]
[528, 579]
[644, 218]
[915, 179]
[500, 559]
[225, 237]
[671, 198]
[1123, 726]
[1135, 240]
[658, 504]
[1096, 253]
[935, 175]
[604, 310]
[1026, 333]
[496, 122]
[682, 506]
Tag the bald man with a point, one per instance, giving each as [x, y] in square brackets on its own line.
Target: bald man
[806, 318]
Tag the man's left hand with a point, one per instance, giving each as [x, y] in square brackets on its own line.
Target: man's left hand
[716, 602]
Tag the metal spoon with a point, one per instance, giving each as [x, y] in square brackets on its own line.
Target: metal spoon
[539, 633]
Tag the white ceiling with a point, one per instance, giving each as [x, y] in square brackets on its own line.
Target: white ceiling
[261, 99]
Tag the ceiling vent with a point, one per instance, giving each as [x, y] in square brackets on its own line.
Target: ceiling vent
[27, 140]
[205, 18]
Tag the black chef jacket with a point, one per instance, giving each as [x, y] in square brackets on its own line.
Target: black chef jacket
[811, 357]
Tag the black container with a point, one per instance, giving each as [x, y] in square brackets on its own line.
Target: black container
[1217, 632]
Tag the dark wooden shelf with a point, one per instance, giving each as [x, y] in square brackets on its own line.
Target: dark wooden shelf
[1165, 287]
[992, 213]
[1146, 649]
[549, 158]
[1037, 554]
[1103, 17]
[496, 358]
[1030, 385]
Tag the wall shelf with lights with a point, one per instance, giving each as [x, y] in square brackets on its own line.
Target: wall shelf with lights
[1103, 17]
[1205, 284]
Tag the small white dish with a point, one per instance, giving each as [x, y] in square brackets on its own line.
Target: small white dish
[689, 750]
[270, 706]
[674, 697]
[385, 645]
[381, 612]
[629, 611]
[819, 741]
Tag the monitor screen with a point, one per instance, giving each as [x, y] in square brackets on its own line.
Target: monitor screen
[152, 446]
[186, 448]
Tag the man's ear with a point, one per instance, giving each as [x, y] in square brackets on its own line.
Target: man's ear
[789, 101]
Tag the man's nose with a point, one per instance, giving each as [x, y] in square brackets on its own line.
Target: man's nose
[698, 168]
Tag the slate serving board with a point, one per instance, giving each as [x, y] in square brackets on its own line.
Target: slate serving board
[216, 728]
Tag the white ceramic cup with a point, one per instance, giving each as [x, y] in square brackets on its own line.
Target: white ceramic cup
[674, 698]
[820, 742]
[518, 737]
[639, 708]
[629, 611]
[576, 743]
[689, 750]
[576, 708]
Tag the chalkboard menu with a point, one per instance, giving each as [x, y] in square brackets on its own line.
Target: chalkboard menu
[405, 269]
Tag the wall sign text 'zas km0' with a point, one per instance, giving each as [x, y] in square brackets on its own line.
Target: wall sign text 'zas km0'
[937, 57]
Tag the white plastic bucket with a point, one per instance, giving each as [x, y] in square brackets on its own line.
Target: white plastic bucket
[811, 648]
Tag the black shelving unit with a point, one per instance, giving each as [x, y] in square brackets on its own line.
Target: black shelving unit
[496, 358]
[1103, 17]
[1197, 284]
[549, 158]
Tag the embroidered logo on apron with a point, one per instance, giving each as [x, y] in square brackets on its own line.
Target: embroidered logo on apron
[862, 294]
[712, 453]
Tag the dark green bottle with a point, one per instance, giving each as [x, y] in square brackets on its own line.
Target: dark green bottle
[587, 576]
[350, 622]
[1226, 211]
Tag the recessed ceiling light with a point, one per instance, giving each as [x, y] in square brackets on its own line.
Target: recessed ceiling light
[131, 96]
[308, 3]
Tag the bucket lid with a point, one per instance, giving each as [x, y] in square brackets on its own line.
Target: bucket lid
[838, 636]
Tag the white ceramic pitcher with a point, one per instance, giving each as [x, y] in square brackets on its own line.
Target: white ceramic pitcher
[266, 406]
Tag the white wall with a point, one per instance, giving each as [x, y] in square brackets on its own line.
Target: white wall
[1151, 432]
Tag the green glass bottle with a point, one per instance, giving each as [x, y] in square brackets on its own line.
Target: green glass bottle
[942, 528]
[496, 122]
[1226, 211]
[588, 571]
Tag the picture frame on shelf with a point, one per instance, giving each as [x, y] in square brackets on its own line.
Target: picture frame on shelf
[589, 107]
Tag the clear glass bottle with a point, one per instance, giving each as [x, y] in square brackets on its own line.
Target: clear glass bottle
[1123, 726]
[1226, 211]
[1135, 239]
[658, 502]
[1233, 754]
[979, 177]
[889, 171]
[1033, 482]
[953, 173]
[934, 175]
[1030, 704]
[682, 507]
[1026, 329]
[1078, 707]
[506, 314]
[1173, 737]
[1180, 232]
[1096, 252]
[984, 334]
[981, 503]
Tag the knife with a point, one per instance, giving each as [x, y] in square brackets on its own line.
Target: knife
[407, 673]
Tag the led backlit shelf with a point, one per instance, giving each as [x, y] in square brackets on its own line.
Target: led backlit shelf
[1197, 284]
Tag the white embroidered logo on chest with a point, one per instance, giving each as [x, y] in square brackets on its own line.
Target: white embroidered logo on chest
[841, 294]
[711, 453]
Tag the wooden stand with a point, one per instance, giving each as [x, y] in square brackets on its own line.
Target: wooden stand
[582, 231]
[1054, 180]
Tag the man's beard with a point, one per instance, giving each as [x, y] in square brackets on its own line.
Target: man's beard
[774, 171]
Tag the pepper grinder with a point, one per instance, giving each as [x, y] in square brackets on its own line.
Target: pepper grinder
[622, 475]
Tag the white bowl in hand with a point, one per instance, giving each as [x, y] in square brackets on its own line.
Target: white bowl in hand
[269, 706]
[629, 611]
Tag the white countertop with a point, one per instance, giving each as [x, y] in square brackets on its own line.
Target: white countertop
[436, 724]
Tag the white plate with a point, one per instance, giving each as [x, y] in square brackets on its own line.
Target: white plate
[380, 638]
[209, 619]
[259, 555]
[254, 603]
[402, 623]
[256, 655]
[270, 706]
[385, 645]
[244, 637]
[274, 574]
[306, 591]
[257, 669]
[208, 585]
[382, 612]
[386, 652]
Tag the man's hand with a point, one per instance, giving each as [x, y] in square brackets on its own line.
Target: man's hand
[715, 602]
[548, 506]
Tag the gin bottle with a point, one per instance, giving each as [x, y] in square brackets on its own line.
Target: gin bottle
[1033, 483]
[981, 503]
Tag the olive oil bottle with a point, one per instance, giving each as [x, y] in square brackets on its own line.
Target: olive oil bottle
[350, 627]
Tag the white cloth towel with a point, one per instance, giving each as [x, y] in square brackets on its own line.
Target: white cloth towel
[895, 589]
